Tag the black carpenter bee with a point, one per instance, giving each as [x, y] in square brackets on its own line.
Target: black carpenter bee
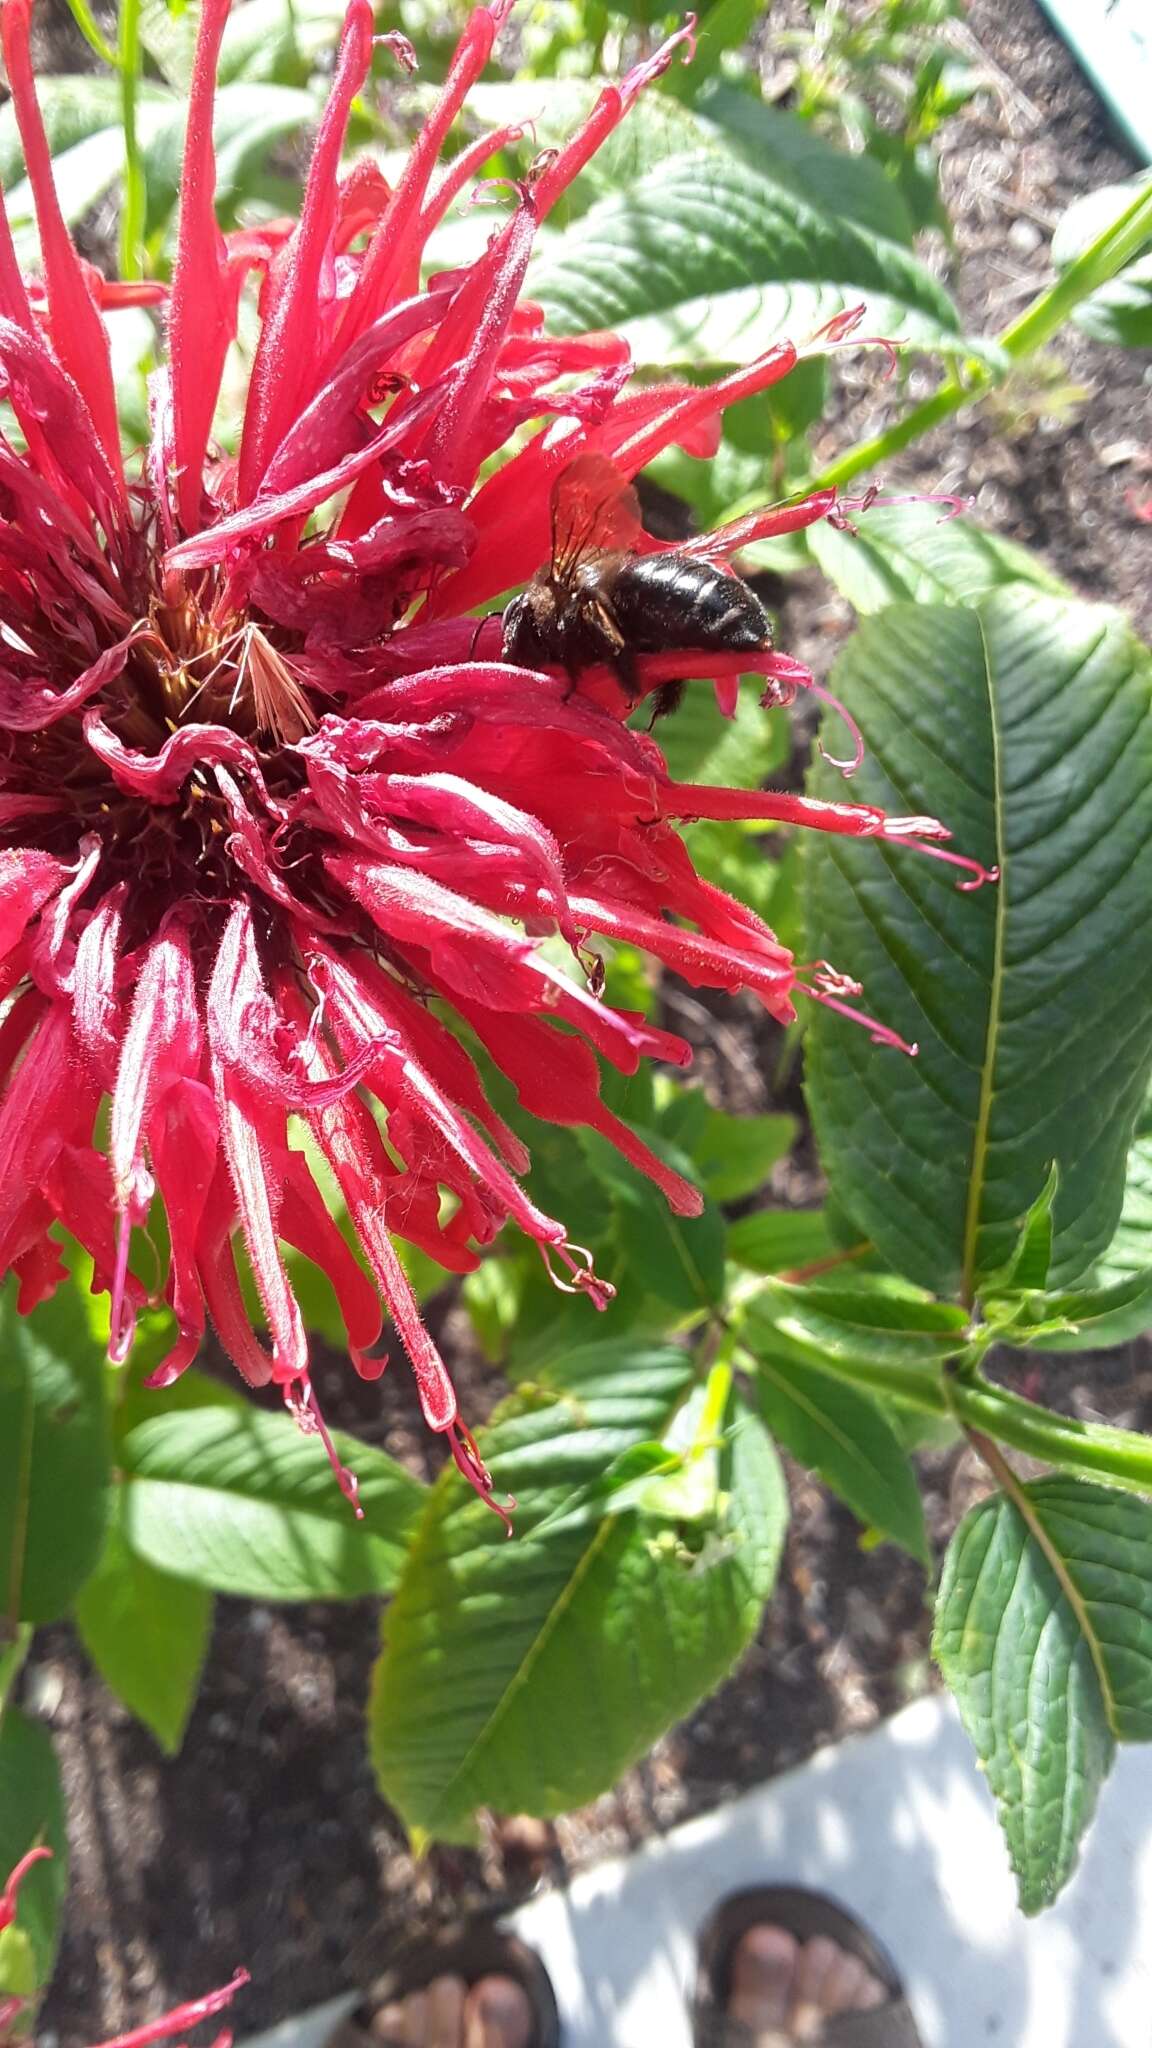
[599, 602]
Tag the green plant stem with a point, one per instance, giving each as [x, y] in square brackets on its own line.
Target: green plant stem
[718, 1390]
[1095, 266]
[134, 206]
[89, 28]
[1121, 1455]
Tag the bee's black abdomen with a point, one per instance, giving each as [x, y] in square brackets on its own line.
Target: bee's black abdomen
[668, 601]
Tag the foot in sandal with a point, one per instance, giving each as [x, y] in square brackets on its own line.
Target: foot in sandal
[779, 1968]
[785, 1990]
[495, 2012]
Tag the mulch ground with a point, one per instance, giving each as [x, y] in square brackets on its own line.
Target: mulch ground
[266, 1842]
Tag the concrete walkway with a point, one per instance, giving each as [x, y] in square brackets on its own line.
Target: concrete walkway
[899, 1826]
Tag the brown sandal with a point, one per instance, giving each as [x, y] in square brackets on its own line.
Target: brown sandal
[803, 1914]
[479, 1949]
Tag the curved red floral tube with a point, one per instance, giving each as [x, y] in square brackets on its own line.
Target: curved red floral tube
[280, 830]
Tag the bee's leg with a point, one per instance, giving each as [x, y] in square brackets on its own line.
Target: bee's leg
[666, 699]
[624, 663]
[479, 628]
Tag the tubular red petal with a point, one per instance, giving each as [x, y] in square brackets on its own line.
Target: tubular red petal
[256, 521]
[855, 821]
[252, 1131]
[444, 1058]
[226, 1304]
[286, 361]
[78, 333]
[181, 2017]
[639, 448]
[607, 114]
[461, 170]
[407, 1087]
[49, 1099]
[28, 879]
[351, 1144]
[184, 1146]
[557, 1080]
[201, 310]
[392, 259]
[473, 952]
[481, 311]
[94, 982]
[46, 394]
[301, 1403]
[703, 961]
[161, 1048]
[725, 541]
[333, 423]
[8, 1897]
[306, 1223]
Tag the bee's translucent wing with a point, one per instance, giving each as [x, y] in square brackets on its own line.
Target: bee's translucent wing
[595, 511]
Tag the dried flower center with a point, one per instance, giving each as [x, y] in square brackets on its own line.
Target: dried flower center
[188, 666]
[178, 737]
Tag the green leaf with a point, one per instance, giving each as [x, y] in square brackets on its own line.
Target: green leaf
[82, 115]
[658, 129]
[146, 1631]
[194, 1389]
[248, 121]
[1027, 726]
[55, 1470]
[168, 30]
[842, 1435]
[778, 1240]
[527, 1675]
[241, 1502]
[725, 25]
[1130, 1251]
[864, 1316]
[1044, 1633]
[735, 1154]
[82, 118]
[706, 260]
[842, 185]
[1120, 312]
[278, 41]
[679, 1259]
[1119, 1306]
[701, 745]
[919, 553]
[1089, 1318]
[1031, 1256]
[31, 1816]
[73, 105]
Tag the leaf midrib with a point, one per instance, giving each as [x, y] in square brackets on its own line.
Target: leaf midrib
[1025, 1507]
[531, 1657]
[981, 1135]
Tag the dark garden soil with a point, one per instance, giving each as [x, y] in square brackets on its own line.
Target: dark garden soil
[266, 1842]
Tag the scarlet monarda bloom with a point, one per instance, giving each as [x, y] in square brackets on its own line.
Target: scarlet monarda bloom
[280, 829]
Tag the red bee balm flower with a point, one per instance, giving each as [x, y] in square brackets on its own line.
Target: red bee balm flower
[276, 819]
